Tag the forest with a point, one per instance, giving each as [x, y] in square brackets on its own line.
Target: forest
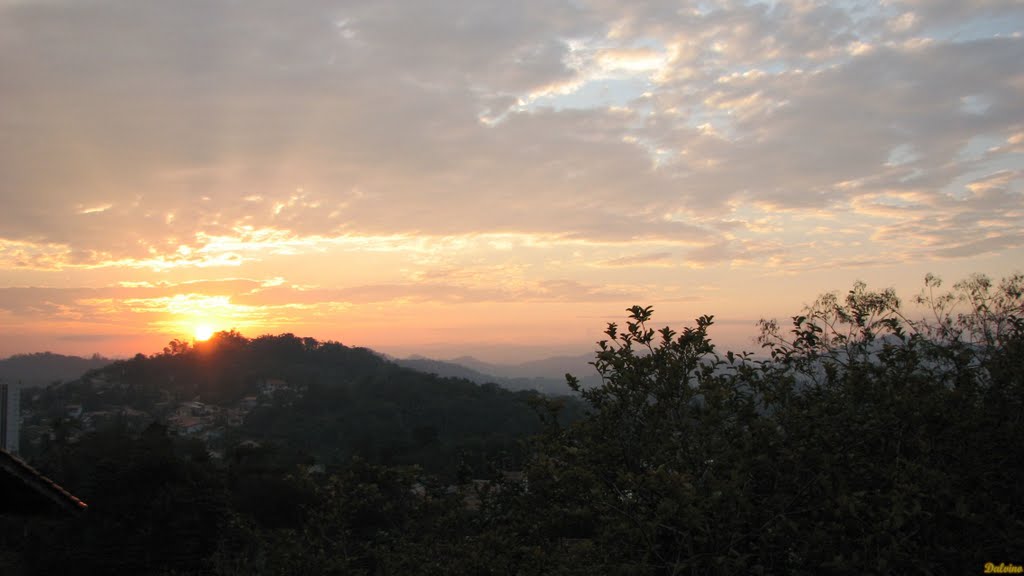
[869, 436]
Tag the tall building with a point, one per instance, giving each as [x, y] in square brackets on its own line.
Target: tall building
[10, 413]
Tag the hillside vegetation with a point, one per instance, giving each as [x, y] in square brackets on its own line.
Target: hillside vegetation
[321, 402]
[866, 441]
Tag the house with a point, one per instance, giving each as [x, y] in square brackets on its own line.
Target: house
[26, 492]
[187, 424]
[135, 418]
[193, 408]
[248, 403]
[91, 420]
[235, 417]
[270, 386]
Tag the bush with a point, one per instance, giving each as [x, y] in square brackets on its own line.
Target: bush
[865, 442]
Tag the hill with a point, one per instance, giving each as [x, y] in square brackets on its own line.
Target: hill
[553, 367]
[546, 375]
[450, 369]
[43, 368]
[324, 400]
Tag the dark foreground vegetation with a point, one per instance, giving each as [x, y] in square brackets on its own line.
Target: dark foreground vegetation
[866, 442]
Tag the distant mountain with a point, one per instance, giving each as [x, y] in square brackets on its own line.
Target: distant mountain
[546, 375]
[445, 369]
[553, 367]
[42, 368]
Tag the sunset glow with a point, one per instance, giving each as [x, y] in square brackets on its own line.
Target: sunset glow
[203, 332]
[500, 181]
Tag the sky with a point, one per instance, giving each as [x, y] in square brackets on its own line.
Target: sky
[496, 178]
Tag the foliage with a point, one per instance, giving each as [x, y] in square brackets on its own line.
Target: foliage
[155, 503]
[340, 402]
[867, 442]
[867, 439]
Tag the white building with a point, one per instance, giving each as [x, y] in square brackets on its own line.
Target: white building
[10, 414]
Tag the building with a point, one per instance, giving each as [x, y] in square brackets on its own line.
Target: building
[26, 496]
[27, 492]
[10, 416]
[188, 424]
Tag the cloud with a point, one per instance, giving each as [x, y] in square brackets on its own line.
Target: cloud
[91, 337]
[638, 260]
[346, 119]
[248, 303]
[369, 148]
[987, 220]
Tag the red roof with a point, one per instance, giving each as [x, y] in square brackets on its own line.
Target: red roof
[23, 490]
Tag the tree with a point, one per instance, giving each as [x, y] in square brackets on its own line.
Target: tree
[150, 510]
[865, 442]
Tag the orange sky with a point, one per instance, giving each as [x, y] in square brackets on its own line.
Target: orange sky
[497, 179]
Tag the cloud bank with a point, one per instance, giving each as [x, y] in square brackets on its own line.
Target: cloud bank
[539, 149]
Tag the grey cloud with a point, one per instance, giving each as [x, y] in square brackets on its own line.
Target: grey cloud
[434, 291]
[947, 12]
[650, 259]
[982, 246]
[987, 221]
[734, 250]
[171, 113]
[839, 125]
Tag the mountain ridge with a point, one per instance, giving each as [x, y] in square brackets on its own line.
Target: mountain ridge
[546, 375]
[42, 368]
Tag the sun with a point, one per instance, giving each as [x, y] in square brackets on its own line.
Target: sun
[203, 332]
